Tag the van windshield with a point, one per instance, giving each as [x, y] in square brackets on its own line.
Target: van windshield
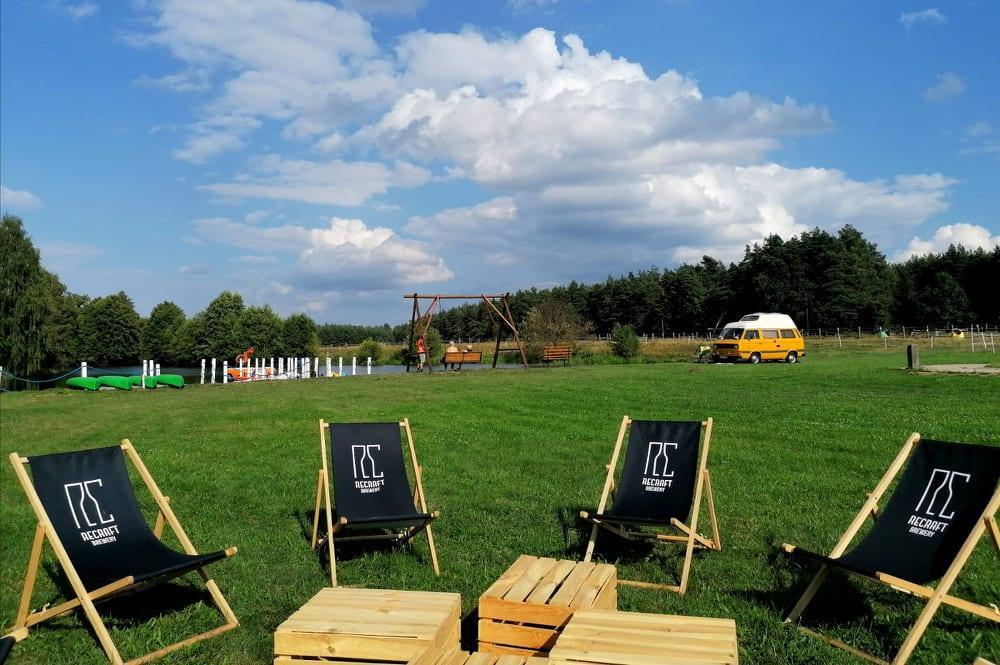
[731, 333]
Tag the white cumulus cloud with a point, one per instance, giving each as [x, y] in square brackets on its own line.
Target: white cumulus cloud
[18, 199]
[970, 236]
[948, 85]
[932, 16]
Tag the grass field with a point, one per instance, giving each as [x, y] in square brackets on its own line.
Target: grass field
[511, 457]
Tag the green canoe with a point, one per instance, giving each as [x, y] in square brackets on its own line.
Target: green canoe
[82, 383]
[137, 381]
[172, 380]
[119, 382]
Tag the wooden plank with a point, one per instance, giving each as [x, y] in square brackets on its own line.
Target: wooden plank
[530, 579]
[529, 637]
[551, 581]
[488, 647]
[586, 597]
[509, 576]
[508, 610]
[571, 586]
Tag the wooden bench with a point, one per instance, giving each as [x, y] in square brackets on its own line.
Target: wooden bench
[523, 612]
[462, 357]
[561, 352]
[598, 637]
[351, 625]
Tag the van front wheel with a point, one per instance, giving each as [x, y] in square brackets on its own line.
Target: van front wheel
[754, 358]
[791, 357]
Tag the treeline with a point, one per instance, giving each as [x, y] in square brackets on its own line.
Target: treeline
[820, 279]
[44, 328]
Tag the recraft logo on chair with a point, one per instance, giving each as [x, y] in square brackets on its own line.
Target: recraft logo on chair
[87, 513]
[655, 477]
[367, 478]
[934, 504]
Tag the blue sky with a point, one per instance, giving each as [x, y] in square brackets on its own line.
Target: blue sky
[329, 156]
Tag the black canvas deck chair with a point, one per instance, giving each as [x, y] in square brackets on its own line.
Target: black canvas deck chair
[87, 511]
[373, 496]
[8, 641]
[660, 487]
[945, 501]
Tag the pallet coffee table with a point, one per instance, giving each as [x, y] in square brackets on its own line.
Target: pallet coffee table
[523, 612]
[595, 637]
[370, 624]
[457, 657]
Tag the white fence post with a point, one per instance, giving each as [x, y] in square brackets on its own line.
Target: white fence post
[271, 373]
[315, 366]
[340, 365]
[225, 372]
[213, 370]
[354, 365]
[202, 372]
[157, 369]
[369, 365]
[83, 369]
[329, 367]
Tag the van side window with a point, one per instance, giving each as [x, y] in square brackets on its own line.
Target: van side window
[787, 333]
[752, 334]
[770, 334]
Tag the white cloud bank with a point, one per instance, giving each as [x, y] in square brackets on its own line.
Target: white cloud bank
[620, 167]
[18, 199]
[969, 236]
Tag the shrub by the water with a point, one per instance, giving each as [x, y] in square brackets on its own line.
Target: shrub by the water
[370, 349]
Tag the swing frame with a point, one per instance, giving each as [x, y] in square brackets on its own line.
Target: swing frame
[503, 319]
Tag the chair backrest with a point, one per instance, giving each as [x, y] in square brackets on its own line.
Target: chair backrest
[940, 496]
[369, 479]
[660, 471]
[92, 506]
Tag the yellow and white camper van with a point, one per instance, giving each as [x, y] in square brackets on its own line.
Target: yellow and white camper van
[758, 337]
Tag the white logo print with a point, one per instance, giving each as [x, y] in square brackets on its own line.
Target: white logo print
[656, 478]
[942, 482]
[366, 477]
[83, 504]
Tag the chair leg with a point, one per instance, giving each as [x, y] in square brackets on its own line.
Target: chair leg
[29, 577]
[591, 544]
[319, 492]
[686, 569]
[807, 595]
[716, 538]
[434, 556]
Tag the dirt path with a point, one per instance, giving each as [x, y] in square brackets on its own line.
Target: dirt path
[962, 368]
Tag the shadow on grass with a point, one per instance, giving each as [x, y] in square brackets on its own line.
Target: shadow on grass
[351, 549]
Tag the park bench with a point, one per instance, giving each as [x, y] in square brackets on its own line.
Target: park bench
[561, 352]
[462, 357]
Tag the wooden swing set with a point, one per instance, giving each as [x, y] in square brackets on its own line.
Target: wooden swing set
[497, 306]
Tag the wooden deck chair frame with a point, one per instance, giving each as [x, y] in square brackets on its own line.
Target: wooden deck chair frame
[86, 599]
[323, 499]
[935, 596]
[689, 532]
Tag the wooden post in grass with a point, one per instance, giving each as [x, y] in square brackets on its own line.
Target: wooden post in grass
[354, 365]
[329, 367]
[202, 374]
[340, 365]
[225, 372]
[369, 364]
[213, 370]
[912, 357]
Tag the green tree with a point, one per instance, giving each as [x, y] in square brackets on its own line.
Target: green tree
[220, 334]
[369, 348]
[552, 321]
[29, 297]
[186, 346]
[109, 329]
[159, 332]
[944, 302]
[300, 336]
[262, 329]
[624, 341]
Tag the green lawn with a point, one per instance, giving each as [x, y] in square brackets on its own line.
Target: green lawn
[511, 457]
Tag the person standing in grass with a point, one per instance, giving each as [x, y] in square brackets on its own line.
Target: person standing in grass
[421, 353]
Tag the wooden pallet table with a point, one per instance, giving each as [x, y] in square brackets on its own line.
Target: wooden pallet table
[457, 657]
[350, 625]
[596, 637]
[523, 611]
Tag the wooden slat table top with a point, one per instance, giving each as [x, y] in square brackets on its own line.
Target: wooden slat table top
[631, 638]
[456, 657]
[547, 581]
[375, 612]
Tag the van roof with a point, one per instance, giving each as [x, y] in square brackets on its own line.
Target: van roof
[763, 320]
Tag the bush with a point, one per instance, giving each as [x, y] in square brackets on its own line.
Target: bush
[624, 341]
[550, 322]
[370, 348]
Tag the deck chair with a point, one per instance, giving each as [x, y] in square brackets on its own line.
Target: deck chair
[373, 496]
[87, 510]
[661, 486]
[8, 641]
[945, 501]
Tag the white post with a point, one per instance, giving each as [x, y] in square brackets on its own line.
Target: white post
[369, 365]
[992, 345]
[281, 365]
[157, 369]
[213, 370]
[839, 340]
[315, 366]
[225, 372]
[202, 373]
[272, 367]
[340, 365]
[329, 367]
[83, 369]
[354, 365]
[972, 337]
